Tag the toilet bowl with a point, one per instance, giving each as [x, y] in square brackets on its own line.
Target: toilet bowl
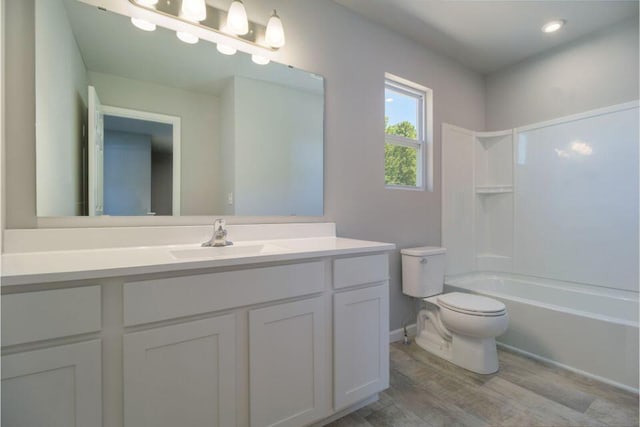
[458, 327]
[466, 331]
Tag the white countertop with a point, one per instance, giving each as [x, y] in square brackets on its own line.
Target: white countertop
[56, 266]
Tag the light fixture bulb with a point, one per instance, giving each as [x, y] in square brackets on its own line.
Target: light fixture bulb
[194, 10]
[226, 50]
[275, 32]
[143, 25]
[147, 2]
[260, 60]
[553, 26]
[187, 37]
[237, 21]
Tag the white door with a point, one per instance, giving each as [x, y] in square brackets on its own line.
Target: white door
[181, 375]
[54, 387]
[287, 365]
[361, 344]
[96, 154]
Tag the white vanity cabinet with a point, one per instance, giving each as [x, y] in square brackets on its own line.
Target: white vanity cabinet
[361, 344]
[181, 375]
[52, 363]
[289, 343]
[287, 366]
[360, 328]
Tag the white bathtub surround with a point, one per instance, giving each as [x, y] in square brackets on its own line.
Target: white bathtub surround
[590, 330]
[554, 202]
[213, 340]
[557, 199]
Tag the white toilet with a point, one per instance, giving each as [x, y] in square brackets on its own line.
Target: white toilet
[458, 327]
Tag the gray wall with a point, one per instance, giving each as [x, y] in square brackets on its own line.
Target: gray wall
[353, 55]
[596, 71]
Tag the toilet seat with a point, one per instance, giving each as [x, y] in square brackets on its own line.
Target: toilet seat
[473, 305]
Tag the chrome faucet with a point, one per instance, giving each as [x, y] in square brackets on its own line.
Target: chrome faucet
[219, 235]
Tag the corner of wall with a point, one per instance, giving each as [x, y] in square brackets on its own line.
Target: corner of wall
[2, 169]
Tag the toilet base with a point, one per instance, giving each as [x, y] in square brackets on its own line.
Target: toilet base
[473, 354]
[477, 355]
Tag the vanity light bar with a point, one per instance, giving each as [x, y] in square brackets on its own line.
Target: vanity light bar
[231, 30]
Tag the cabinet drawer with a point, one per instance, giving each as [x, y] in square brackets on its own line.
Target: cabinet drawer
[360, 270]
[161, 299]
[35, 316]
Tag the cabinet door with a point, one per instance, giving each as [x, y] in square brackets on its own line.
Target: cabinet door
[181, 375]
[54, 387]
[361, 344]
[287, 363]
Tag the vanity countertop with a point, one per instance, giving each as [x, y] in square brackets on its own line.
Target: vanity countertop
[56, 266]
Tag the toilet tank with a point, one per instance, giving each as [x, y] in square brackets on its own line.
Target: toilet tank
[423, 271]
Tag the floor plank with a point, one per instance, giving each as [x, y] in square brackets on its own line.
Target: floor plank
[428, 391]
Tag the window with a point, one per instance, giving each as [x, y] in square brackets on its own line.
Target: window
[407, 105]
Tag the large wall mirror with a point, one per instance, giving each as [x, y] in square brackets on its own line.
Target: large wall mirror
[137, 123]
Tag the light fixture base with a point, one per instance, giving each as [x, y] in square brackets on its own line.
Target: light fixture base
[215, 21]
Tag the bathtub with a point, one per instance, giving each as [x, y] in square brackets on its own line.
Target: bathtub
[586, 329]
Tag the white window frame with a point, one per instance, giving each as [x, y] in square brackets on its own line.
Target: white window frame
[424, 126]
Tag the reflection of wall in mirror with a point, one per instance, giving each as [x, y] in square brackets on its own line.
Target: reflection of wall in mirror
[61, 91]
[161, 180]
[278, 149]
[200, 132]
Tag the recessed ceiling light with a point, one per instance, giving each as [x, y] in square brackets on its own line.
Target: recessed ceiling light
[553, 26]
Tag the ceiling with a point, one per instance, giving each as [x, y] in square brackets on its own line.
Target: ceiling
[489, 35]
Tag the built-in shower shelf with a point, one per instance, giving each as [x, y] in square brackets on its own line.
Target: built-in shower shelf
[494, 189]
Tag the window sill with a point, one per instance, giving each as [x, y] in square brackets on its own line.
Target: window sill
[403, 187]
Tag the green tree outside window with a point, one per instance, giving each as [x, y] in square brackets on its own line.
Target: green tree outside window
[400, 162]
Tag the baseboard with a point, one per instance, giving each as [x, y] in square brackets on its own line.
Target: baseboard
[568, 368]
[398, 334]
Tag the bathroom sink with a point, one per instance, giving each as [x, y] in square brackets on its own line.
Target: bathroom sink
[227, 251]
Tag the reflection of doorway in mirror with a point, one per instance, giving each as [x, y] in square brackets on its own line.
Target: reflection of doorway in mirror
[134, 162]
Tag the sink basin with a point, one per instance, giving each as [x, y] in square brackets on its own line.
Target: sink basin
[227, 251]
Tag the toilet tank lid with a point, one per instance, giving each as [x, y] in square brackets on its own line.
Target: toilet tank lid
[423, 251]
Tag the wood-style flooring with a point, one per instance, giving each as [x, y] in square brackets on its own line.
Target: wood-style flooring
[428, 391]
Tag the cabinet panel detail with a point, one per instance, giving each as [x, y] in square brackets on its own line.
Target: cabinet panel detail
[54, 387]
[35, 316]
[181, 375]
[162, 299]
[361, 344]
[287, 364]
[360, 270]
